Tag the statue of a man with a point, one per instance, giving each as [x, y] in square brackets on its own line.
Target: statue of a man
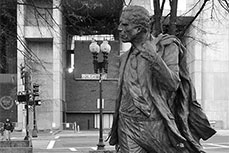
[156, 110]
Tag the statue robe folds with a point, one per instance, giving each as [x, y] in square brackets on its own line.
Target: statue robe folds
[185, 120]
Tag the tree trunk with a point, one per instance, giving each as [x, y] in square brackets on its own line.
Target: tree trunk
[173, 17]
[157, 17]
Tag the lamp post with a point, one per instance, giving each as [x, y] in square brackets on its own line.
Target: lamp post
[27, 105]
[99, 67]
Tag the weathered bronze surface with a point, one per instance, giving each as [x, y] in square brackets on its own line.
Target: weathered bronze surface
[156, 108]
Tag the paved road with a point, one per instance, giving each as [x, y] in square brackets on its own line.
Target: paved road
[72, 144]
[69, 142]
[83, 142]
[217, 144]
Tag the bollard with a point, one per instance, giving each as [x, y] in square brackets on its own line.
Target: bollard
[78, 128]
[74, 127]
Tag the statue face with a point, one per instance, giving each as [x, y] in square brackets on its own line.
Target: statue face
[127, 30]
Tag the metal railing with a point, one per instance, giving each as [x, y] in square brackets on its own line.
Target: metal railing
[71, 126]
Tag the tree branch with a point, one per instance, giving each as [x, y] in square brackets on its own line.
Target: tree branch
[162, 7]
[194, 18]
[224, 6]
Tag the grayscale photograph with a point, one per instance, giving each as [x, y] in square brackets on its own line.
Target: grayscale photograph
[114, 76]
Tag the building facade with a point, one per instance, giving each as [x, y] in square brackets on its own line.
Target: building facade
[45, 38]
[8, 58]
[41, 48]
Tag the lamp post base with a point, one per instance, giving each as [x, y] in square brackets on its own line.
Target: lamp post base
[34, 133]
[100, 145]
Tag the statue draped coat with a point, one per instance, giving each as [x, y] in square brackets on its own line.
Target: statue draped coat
[184, 117]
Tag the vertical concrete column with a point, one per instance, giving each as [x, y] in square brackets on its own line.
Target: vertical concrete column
[57, 66]
[195, 51]
[201, 54]
[20, 58]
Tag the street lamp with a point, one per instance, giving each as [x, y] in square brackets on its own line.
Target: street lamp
[100, 66]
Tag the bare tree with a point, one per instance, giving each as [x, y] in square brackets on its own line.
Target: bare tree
[173, 18]
[8, 22]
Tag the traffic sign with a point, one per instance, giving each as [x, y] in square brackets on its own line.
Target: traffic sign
[93, 76]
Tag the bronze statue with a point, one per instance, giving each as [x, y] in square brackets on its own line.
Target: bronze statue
[156, 110]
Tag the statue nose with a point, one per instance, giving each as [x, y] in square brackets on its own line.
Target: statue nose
[119, 28]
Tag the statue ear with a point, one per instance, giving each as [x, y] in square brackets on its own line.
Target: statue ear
[138, 29]
[141, 29]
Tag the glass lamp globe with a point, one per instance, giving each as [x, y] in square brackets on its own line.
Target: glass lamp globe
[105, 47]
[94, 47]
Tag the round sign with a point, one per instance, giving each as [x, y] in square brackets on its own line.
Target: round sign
[6, 102]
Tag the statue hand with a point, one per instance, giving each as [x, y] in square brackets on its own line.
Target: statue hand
[149, 46]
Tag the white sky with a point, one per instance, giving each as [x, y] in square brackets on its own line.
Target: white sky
[181, 4]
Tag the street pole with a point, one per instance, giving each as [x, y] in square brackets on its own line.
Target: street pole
[100, 145]
[35, 94]
[34, 132]
[27, 121]
[27, 106]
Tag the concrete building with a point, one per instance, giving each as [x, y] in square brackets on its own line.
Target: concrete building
[209, 57]
[44, 48]
[48, 44]
[42, 40]
[8, 58]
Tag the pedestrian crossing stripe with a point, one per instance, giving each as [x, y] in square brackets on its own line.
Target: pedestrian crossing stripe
[51, 144]
[94, 148]
[72, 149]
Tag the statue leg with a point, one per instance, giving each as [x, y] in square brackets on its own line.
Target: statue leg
[154, 136]
[126, 143]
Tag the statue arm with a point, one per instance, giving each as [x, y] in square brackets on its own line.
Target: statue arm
[165, 67]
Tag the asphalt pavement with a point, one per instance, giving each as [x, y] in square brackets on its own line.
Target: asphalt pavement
[67, 141]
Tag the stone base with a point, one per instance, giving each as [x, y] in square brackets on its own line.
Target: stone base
[16, 150]
[16, 146]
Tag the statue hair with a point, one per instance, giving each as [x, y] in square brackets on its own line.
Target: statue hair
[138, 15]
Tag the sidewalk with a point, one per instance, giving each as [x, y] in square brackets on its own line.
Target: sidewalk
[41, 135]
[71, 133]
[60, 133]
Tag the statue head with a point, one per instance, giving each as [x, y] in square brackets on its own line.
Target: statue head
[133, 21]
